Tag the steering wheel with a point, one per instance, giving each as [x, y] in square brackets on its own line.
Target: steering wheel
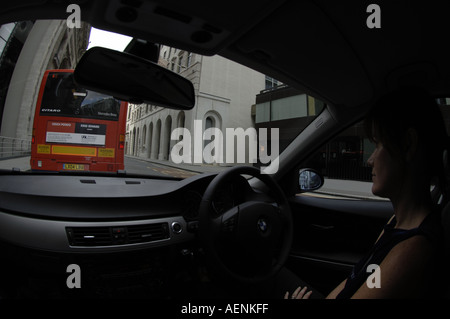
[251, 241]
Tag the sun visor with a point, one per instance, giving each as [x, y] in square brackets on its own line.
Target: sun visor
[315, 54]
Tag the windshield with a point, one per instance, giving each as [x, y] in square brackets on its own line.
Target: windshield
[62, 97]
[241, 117]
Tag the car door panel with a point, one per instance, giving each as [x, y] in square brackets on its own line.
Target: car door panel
[331, 235]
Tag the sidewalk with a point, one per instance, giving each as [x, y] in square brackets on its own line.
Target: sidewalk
[22, 163]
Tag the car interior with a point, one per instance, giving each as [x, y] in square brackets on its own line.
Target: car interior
[137, 236]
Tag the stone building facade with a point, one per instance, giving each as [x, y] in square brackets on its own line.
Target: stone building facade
[30, 48]
[225, 93]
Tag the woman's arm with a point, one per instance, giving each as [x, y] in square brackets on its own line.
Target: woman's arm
[337, 290]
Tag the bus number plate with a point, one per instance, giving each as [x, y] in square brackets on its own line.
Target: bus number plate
[74, 167]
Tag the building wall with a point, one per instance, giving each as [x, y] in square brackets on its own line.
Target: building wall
[225, 92]
[50, 44]
[234, 82]
[149, 129]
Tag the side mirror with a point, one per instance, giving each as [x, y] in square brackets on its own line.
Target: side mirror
[310, 180]
[133, 79]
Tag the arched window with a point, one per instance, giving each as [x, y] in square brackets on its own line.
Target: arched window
[166, 138]
[144, 136]
[150, 140]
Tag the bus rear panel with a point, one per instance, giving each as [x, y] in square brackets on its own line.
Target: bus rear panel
[76, 129]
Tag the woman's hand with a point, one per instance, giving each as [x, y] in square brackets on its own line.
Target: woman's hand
[299, 293]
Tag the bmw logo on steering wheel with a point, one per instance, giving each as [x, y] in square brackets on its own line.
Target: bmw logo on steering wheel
[262, 225]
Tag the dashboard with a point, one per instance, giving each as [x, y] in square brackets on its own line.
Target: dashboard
[131, 237]
[108, 214]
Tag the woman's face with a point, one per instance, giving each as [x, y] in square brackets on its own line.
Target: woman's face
[386, 172]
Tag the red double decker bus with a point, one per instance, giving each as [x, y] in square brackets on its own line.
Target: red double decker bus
[76, 129]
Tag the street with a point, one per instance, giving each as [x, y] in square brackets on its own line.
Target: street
[138, 166]
[132, 166]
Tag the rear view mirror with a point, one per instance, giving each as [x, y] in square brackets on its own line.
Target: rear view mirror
[144, 49]
[133, 79]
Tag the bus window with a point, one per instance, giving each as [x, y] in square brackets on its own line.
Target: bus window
[76, 129]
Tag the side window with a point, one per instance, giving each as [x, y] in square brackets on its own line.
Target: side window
[343, 162]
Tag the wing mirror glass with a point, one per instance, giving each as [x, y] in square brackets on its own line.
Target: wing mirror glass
[310, 180]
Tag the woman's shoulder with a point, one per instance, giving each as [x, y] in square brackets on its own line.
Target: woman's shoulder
[415, 249]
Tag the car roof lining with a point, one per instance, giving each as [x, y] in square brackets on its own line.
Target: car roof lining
[316, 55]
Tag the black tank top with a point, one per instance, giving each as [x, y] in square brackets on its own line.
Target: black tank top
[430, 227]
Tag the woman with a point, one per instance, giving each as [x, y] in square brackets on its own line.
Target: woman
[410, 137]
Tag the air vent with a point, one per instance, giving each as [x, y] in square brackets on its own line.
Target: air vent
[145, 233]
[89, 236]
[88, 181]
[132, 182]
[117, 235]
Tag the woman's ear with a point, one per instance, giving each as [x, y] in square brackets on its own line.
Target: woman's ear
[412, 141]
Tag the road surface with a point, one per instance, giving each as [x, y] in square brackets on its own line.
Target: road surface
[132, 166]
